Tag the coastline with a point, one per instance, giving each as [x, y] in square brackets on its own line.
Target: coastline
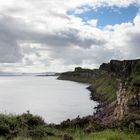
[117, 89]
[115, 85]
[97, 118]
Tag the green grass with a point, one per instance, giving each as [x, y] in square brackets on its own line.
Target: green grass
[105, 85]
[103, 135]
[135, 75]
[112, 135]
[27, 121]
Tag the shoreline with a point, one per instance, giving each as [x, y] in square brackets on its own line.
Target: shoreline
[115, 86]
[93, 96]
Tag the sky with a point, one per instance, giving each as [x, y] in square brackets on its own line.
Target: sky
[56, 36]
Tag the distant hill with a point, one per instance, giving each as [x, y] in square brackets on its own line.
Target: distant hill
[10, 74]
[29, 74]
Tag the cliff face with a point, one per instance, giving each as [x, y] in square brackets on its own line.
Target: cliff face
[122, 99]
[127, 107]
[116, 85]
[127, 72]
[79, 72]
[122, 69]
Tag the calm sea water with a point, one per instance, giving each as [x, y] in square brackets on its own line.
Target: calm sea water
[54, 100]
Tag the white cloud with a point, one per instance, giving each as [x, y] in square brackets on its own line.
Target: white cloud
[40, 36]
[125, 38]
[93, 22]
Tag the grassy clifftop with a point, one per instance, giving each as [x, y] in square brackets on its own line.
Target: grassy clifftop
[117, 86]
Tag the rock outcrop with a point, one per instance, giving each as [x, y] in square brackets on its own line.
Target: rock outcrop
[122, 99]
[121, 69]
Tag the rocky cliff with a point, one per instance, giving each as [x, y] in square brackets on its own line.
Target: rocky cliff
[122, 69]
[116, 85]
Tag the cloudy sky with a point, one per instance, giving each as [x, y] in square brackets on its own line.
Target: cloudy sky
[57, 35]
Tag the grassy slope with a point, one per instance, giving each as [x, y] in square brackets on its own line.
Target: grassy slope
[136, 72]
[104, 84]
[103, 135]
[28, 121]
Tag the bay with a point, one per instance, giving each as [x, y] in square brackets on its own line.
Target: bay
[54, 100]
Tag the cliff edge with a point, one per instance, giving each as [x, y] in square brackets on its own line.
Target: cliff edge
[116, 86]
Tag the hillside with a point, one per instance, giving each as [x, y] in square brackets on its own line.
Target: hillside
[116, 85]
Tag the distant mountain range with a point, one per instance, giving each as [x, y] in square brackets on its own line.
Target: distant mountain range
[28, 74]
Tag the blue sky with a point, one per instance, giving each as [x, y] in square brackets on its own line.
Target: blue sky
[108, 15]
